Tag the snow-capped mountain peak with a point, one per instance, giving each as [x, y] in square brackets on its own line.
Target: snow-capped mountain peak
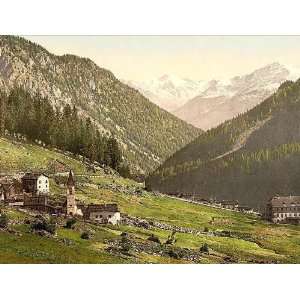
[200, 99]
[224, 100]
[169, 91]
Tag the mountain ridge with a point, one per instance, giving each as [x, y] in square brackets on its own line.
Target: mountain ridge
[141, 128]
[249, 158]
[211, 102]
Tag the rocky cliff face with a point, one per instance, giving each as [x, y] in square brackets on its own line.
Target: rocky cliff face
[147, 134]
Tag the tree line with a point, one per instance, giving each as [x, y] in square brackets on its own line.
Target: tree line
[61, 127]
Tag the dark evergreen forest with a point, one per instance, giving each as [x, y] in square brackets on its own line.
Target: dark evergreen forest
[250, 158]
[35, 118]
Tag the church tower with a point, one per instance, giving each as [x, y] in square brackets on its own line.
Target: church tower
[71, 202]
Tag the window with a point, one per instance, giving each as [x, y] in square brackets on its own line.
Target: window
[46, 181]
[101, 216]
[40, 181]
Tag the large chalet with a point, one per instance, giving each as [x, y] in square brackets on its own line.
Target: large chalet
[283, 209]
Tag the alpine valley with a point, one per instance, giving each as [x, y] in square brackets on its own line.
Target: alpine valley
[250, 158]
[91, 171]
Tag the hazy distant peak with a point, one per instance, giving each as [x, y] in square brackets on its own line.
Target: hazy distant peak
[173, 92]
[169, 91]
[222, 100]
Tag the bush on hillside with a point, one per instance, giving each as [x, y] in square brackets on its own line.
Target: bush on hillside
[44, 225]
[153, 238]
[3, 220]
[171, 239]
[85, 235]
[125, 244]
[204, 248]
[175, 253]
[70, 223]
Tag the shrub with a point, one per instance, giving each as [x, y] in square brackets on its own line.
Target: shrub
[125, 244]
[153, 238]
[171, 239]
[175, 253]
[70, 223]
[204, 248]
[85, 235]
[3, 220]
[43, 224]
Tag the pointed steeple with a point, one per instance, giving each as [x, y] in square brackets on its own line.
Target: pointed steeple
[71, 181]
[71, 201]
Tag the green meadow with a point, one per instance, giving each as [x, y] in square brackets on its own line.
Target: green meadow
[246, 238]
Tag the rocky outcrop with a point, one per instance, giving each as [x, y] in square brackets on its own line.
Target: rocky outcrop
[147, 224]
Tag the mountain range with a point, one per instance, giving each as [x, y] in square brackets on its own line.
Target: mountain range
[206, 104]
[250, 158]
[168, 91]
[146, 133]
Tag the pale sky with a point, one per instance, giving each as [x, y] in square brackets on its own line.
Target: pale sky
[194, 57]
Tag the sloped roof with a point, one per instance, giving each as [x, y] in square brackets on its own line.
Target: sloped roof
[285, 200]
[229, 202]
[71, 180]
[33, 175]
[103, 207]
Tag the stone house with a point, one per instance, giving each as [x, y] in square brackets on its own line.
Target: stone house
[230, 204]
[35, 183]
[35, 202]
[10, 190]
[283, 209]
[103, 213]
[245, 209]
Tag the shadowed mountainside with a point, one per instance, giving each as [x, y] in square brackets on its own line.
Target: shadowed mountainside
[250, 158]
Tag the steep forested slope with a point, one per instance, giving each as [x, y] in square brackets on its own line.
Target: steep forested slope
[147, 134]
[249, 158]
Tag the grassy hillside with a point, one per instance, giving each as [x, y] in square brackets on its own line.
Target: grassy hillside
[250, 158]
[230, 236]
[147, 134]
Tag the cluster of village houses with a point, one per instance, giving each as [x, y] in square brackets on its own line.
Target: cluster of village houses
[32, 191]
[224, 204]
[279, 209]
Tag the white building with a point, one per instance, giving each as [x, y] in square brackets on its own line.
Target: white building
[103, 213]
[284, 209]
[37, 183]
